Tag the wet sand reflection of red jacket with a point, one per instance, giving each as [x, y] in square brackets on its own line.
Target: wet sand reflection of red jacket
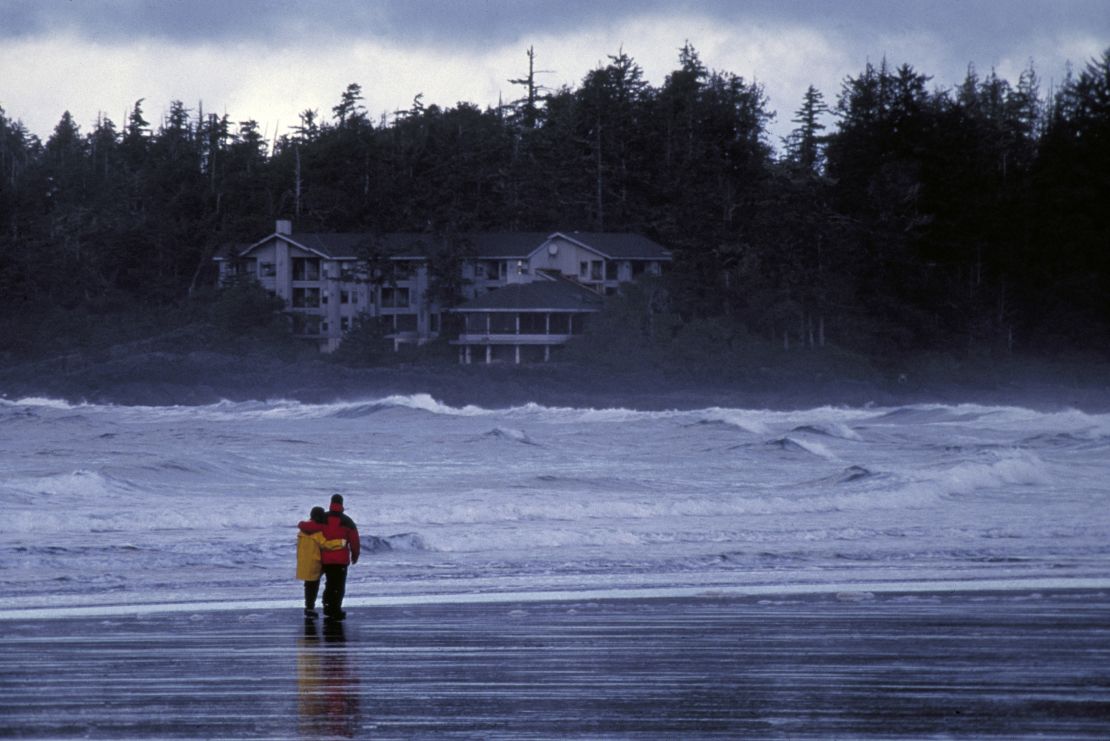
[328, 699]
[338, 526]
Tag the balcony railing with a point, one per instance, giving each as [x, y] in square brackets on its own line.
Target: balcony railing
[511, 339]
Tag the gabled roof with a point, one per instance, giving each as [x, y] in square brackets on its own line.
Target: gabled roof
[238, 250]
[333, 246]
[539, 295]
[480, 245]
[618, 245]
[420, 245]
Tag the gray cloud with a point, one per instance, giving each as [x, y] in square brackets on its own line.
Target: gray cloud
[982, 25]
[255, 56]
[439, 21]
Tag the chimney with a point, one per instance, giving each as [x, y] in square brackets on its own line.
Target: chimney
[283, 226]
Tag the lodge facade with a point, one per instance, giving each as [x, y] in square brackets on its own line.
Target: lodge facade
[526, 293]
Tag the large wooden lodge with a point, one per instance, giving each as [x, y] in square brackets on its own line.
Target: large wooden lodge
[526, 293]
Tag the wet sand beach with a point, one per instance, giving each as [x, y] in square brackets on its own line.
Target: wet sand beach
[849, 665]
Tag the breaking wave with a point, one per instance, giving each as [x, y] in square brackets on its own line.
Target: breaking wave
[829, 429]
[512, 435]
[80, 484]
[798, 445]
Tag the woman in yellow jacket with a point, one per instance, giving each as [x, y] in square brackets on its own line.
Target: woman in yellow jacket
[309, 566]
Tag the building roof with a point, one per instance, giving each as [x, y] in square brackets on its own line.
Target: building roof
[334, 245]
[540, 295]
[619, 245]
[481, 245]
[339, 245]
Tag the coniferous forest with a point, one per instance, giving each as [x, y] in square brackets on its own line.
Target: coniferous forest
[903, 216]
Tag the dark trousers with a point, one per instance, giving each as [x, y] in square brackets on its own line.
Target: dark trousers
[335, 586]
[311, 589]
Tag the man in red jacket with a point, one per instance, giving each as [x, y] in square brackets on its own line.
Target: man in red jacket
[335, 563]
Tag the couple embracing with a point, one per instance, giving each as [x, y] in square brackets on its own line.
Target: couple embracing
[326, 544]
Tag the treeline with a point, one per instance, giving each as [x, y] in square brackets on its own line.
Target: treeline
[900, 217]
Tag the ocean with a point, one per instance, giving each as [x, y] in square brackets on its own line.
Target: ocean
[128, 506]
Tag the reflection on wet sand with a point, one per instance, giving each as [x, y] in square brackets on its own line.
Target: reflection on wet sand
[327, 687]
[851, 665]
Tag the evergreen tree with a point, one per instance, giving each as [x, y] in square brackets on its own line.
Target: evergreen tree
[1071, 291]
[612, 107]
[804, 146]
[349, 112]
[527, 109]
[967, 220]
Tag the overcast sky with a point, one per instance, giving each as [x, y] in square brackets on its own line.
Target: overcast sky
[270, 60]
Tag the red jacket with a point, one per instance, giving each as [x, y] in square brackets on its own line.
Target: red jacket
[338, 526]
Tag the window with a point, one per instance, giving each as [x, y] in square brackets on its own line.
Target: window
[583, 269]
[306, 298]
[492, 269]
[595, 270]
[521, 267]
[306, 268]
[267, 270]
[611, 270]
[344, 297]
[395, 298]
[344, 323]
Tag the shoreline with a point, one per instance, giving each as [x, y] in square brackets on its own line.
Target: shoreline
[845, 591]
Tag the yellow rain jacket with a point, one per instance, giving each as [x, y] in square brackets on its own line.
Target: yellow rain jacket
[309, 567]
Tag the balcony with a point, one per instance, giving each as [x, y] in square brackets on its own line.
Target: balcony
[512, 339]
